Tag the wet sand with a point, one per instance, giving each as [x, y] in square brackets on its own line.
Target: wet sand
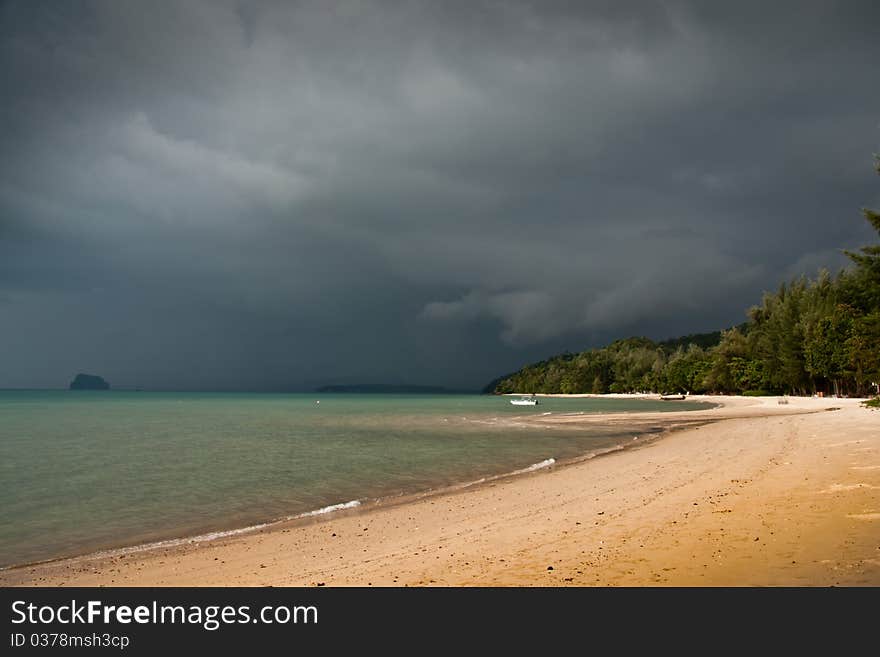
[750, 493]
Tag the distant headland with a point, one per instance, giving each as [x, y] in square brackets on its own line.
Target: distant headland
[387, 389]
[89, 382]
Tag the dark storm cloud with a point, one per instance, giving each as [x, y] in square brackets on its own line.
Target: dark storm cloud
[274, 194]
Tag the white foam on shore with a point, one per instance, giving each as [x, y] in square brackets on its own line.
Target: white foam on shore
[201, 538]
[546, 463]
[329, 509]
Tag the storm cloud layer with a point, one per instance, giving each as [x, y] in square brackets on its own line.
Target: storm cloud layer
[277, 195]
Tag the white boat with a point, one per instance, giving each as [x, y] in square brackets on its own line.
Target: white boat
[671, 397]
[525, 401]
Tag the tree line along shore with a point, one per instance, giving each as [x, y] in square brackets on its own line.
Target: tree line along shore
[811, 336]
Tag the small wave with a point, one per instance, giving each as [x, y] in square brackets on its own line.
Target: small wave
[546, 463]
[173, 542]
[204, 538]
[329, 509]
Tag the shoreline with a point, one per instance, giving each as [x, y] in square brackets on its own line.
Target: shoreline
[191, 563]
[365, 505]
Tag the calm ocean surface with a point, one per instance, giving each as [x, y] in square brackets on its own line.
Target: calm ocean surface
[82, 471]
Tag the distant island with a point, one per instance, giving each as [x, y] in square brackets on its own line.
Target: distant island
[387, 389]
[89, 382]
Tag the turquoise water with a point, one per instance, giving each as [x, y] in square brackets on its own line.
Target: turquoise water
[81, 471]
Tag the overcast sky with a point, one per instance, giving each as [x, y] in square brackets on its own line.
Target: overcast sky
[278, 195]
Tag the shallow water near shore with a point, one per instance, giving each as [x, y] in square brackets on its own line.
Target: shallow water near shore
[84, 471]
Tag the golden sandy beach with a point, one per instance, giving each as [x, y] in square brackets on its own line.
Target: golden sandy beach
[750, 493]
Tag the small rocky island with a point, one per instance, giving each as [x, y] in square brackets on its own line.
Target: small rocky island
[89, 382]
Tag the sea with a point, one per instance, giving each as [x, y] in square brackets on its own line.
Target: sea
[88, 471]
